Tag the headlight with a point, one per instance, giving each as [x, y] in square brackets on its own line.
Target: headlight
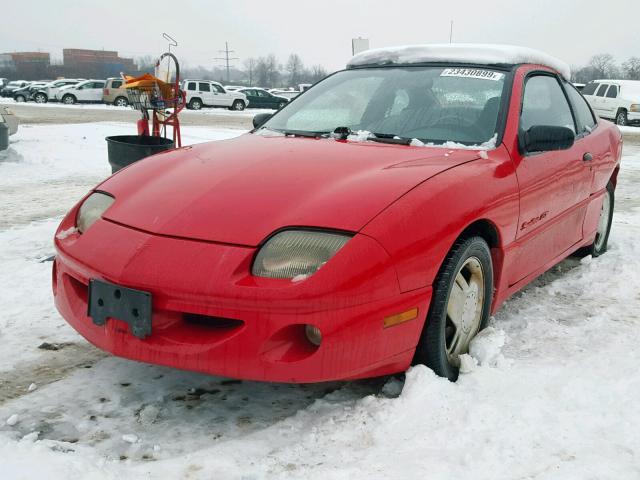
[296, 253]
[92, 209]
[635, 107]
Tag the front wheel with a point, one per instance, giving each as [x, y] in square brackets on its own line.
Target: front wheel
[195, 104]
[238, 105]
[40, 98]
[19, 99]
[460, 305]
[621, 118]
[68, 99]
[281, 105]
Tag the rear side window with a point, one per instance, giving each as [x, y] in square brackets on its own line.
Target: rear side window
[116, 84]
[601, 90]
[590, 88]
[612, 92]
[584, 116]
[544, 103]
[191, 86]
[205, 87]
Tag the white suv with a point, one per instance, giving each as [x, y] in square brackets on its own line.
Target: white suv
[617, 100]
[49, 91]
[87, 91]
[205, 93]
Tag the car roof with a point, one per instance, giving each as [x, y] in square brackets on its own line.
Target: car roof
[462, 53]
[200, 80]
[619, 82]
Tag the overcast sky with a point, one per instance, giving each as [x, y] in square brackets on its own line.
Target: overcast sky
[319, 31]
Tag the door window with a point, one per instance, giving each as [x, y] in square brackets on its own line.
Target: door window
[98, 85]
[262, 93]
[601, 90]
[191, 86]
[584, 116]
[205, 87]
[218, 88]
[544, 103]
[590, 88]
[612, 92]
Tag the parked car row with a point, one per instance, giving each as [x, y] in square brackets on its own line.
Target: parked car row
[617, 100]
[199, 93]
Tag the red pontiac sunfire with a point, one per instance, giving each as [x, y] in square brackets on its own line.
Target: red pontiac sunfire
[375, 221]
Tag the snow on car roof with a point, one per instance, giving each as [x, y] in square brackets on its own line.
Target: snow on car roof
[477, 54]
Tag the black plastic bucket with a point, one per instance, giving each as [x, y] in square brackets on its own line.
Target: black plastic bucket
[127, 149]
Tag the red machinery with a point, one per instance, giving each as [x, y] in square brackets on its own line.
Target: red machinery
[159, 98]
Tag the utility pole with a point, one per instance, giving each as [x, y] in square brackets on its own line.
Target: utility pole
[226, 58]
[451, 32]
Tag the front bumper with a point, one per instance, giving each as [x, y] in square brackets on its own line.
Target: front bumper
[197, 286]
[633, 117]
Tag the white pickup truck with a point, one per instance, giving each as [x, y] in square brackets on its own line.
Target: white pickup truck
[617, 100]
[205, 93]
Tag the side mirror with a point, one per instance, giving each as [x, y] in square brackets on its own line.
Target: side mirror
[545, 138]
[260, 119]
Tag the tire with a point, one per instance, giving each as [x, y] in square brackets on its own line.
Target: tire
[599, 245]
[20, 99]
[237, 105]
[40, 98]
[68, 99]
[281, 105]
[121, 102]
[621, 118]
[195, 104]
[441, 341]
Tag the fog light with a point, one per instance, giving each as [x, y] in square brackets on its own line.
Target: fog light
[314, 335]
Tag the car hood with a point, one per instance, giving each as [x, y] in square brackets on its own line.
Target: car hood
[241, 190]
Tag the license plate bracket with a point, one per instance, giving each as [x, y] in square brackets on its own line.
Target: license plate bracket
[108, 300]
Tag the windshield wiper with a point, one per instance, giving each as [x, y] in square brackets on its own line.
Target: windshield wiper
[303, 133]
[389, 138]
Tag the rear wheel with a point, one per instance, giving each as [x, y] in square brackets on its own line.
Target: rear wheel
[40, 98]
[195, 104]
[19, 98]
[68, 99]
[599, 245]
[238, 105]
[621, 118]
[121, 102]
[462, 296]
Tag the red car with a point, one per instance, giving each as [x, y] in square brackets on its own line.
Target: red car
[375, 221]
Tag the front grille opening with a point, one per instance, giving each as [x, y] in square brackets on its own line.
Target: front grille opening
[219, 323]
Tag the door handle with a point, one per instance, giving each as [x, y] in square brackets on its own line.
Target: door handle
[587, 157]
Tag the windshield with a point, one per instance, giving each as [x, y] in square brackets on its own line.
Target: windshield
[432, 104]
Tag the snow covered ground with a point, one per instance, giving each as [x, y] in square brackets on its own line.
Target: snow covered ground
[554, 394]
[250, 112]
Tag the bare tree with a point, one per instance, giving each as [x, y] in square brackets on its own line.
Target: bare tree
[317, 73]
[267, 73]
[250, 66]
[631, 68]
[604, 65]
[295, 69]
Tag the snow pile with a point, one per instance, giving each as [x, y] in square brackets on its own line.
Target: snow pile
[464, 53]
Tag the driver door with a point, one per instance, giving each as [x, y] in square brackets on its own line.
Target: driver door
[554, 185]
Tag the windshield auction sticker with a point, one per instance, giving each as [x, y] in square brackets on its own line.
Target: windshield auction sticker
[472, 73]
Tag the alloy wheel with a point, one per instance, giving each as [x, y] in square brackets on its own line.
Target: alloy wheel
[464, 309]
